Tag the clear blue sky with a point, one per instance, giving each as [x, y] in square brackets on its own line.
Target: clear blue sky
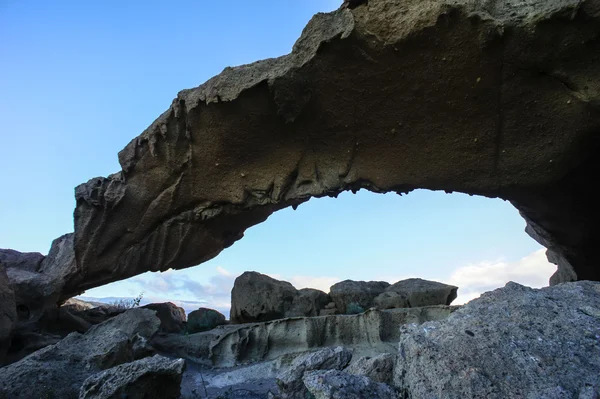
[80, 79]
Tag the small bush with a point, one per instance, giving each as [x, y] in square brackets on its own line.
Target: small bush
[354, 308]
[129, 303]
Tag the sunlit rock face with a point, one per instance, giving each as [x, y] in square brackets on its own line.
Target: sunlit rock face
[494, 98]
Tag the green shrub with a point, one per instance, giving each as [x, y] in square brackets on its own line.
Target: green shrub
[354, 308]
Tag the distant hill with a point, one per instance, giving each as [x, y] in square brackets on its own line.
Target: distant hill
[188, 306]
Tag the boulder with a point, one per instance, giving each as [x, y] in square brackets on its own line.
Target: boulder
[349, 293]
[8, 313]
[290, 381]
[308, 303]
[152, 377]
[416, 292]
[328, 310]
[172, 317]
[391, 300]
[204, 319]
[379, 368]
[514, 342]
[335, 384]
[59, 370]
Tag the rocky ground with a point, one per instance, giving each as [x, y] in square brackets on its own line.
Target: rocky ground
[512, 342]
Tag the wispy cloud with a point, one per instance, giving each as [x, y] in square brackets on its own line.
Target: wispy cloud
[534, 270]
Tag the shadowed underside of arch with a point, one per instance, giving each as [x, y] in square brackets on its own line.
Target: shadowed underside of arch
[494, 98]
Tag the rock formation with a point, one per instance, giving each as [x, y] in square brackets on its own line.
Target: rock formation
[59, 370]
[204, 319]
[493, 98]
[172, 317]
[512, 342]
[335, 384]
[358, 293]
[258, 297]
[151, 377]
[415, 292]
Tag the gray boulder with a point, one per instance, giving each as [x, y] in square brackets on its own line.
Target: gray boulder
[153, 377]
[514, 342]
[418, 292]
[204, 319]
[391, 300]
[8, 313]
[59, 370]
[308, 303]
[258, 297]
[335, 384]
[361, 293]
[290, 381]
[172, 317]
[379, 368]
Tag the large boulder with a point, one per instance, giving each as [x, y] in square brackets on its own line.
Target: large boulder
[152, 377]
[347, 293]
[204, 319]
[8, 313]
[416, 292]
[172, 317]
[290, 381]
[258, 297]
[59, 370]
[335, 384]
[514, 342]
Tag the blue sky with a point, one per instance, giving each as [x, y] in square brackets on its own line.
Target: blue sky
[80, 79]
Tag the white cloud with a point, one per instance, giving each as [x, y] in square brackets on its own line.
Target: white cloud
[534, 270]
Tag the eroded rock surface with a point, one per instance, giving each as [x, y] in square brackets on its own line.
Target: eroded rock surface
[379, 368]
[59, 370]
[291, 385]
[512, 342]
[494, 98]
[231, 345]
[335, 384]
[152, 377]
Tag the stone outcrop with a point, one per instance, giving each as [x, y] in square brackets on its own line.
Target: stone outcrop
[152, 377]
[512, 342]
[357, 293]
[59, 370]
[41, 282]
[231, 345]
[291, 385]
[204, 319]
[493, 98]
[8, 313]
[335, 384]
[258, 297]
[172, 317]
[415, 292]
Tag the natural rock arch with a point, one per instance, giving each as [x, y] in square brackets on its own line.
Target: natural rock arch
[500, 99]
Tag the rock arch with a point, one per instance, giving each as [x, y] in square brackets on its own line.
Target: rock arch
[494, 98]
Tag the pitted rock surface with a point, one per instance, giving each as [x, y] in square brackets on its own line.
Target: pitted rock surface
[512, 342]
